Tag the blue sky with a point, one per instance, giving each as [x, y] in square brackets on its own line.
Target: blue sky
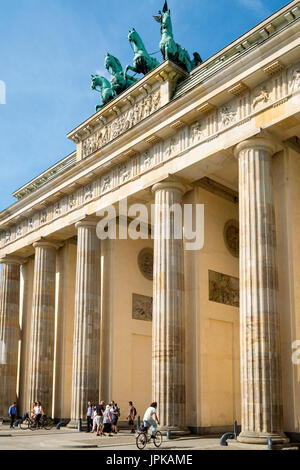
[50, 48]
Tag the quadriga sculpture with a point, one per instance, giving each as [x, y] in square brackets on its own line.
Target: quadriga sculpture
[169, 48]
[142, 62]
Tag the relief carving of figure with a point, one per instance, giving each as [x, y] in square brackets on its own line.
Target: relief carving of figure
[43, 217]
[228, 116]
[295, 80]
[88, 191]
[19, 231]
[263, 96]
[106, 183]
[72, 201]
[124, 173]
[57, 208]
[7, 236]
[147, 159]
[196, 132]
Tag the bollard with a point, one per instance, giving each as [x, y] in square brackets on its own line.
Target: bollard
[228, 435]
[79, 424]
[235, 429]
[270, 445]
[60, 424]
[168, 434]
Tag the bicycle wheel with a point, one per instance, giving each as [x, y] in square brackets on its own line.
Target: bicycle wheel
[141, 441]
[157, 439]
[25, 423]
[32, 425]
[48, 424]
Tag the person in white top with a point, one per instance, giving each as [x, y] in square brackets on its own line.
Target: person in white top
[38, 411]
[151, 418]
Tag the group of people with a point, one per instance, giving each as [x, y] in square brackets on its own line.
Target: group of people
[100, 418]
[104, 418]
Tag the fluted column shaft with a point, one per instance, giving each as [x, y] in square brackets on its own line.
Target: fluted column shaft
[43, 325]
[259, 315]
[9, 333]
[86, 348]
[168, 380]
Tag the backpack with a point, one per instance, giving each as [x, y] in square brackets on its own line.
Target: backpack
[135, 412]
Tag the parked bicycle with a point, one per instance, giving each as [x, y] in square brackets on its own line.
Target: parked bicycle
[143, 438]
[45, 422]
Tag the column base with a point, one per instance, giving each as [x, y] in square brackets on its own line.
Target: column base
[248, 437]
[175, 431]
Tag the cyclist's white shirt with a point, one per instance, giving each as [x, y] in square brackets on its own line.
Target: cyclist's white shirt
[37, 410]
[148, 416]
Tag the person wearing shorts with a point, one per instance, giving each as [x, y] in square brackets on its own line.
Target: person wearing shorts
[151, 418]
[115, 413]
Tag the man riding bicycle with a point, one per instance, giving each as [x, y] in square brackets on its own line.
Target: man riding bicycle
[151, 418]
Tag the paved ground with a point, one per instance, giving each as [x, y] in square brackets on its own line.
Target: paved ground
[68, 439]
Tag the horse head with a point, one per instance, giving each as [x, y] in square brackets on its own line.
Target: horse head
[132, 35]
[107, 61]
[94, 81]
[113, 63]
[99, 81]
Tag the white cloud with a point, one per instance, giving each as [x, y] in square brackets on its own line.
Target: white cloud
[103, 73]
[255, 5]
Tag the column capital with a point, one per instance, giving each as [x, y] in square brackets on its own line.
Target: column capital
[13, 259]
[48, 243]
[263, 143]
[171, 183]
[87, 222]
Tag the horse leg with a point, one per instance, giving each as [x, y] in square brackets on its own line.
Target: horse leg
[128, 67]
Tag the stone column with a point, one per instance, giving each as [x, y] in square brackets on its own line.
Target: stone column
[9, 331]
[86, 346]
[40, 381]
[168, 352]
[262, 411]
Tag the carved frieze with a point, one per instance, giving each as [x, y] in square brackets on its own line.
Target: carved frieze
[236, 111]
[122, 123]
[142, 307]
[223, 289]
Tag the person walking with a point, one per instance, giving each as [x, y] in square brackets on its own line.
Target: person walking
[12, 413]
[151, 418]
[131, 416]
[107, 421]
[89, 412]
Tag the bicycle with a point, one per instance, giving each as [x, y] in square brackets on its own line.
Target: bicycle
[143, 438]
[44, 422]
